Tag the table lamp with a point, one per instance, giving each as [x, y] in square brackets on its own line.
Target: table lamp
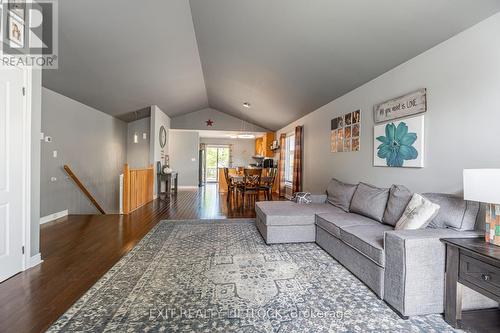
[483, 185]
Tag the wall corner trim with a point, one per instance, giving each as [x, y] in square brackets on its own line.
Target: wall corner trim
[35, 260]
[52, 217]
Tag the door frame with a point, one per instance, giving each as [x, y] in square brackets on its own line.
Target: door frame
[208, 146]
[216, 146]
[26, 153]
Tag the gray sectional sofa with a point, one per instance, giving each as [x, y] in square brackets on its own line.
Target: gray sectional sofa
[355, 225]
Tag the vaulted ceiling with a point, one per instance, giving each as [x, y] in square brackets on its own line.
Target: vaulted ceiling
[122, 55]
[285, 57]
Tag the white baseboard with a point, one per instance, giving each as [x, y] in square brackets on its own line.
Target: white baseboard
[53, 217]
[35, 260]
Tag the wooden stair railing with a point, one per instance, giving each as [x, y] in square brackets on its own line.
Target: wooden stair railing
[83, 189]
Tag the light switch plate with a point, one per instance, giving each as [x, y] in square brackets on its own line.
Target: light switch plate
[54, 153]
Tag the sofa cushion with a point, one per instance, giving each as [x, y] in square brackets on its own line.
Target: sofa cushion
[340, 194]
[368, 240]
[291, 213]
[333, 223]
[370, 201]
[399, 197]
[454, 213]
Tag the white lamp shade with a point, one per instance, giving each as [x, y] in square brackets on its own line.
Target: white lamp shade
[482, 185]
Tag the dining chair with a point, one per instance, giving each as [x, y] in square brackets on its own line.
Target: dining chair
[268, 183]
[240, 170]
[231, 186]
[250, 184]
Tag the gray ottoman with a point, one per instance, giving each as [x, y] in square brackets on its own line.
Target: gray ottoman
[288, 222]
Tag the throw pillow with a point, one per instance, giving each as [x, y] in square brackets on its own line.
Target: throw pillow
[399, 197]
[302, 197]
[418, 214]
[340, 194]
[370, 201]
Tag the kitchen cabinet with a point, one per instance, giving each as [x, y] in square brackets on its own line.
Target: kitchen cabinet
[263, 145]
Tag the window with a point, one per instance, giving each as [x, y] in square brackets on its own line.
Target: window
[289, 155]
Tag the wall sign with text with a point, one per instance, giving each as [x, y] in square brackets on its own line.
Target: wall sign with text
[403, 106]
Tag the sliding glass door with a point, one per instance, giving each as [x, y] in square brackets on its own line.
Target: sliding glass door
[216, 157]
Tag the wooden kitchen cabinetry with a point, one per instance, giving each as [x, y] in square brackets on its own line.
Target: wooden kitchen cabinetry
[263, 145]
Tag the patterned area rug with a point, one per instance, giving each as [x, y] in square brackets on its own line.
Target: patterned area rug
[220, 276]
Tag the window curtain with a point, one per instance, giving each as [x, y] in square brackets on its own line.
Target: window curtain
[297, 160]
[281, 165]
[230, 156]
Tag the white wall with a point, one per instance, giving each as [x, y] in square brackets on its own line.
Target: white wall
[138, 153]
[462, 77]
[184, 150]
[222, 122]
[156, 152]
[243, 149]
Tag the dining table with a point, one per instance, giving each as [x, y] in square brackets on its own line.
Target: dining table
[239, 178]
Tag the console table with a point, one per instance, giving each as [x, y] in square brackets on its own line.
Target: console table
[473, 263]
[169, 179]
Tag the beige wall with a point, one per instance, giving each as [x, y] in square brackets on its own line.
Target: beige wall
[243, 149]
[158, 119]
[462, 77]
[138, 153]
[222, 122]
[184, 150]
[92, 143]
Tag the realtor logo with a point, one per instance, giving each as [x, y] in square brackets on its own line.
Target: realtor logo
[29, 33]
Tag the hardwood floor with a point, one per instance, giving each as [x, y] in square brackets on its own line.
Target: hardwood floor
[79, 249]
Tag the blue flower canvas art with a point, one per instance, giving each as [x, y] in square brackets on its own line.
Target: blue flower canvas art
[400, 143]
[396, 146]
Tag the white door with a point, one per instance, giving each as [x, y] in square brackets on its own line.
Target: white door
[11, 171]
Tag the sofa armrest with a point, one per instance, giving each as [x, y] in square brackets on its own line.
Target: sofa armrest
[415, 267]
[318, 198]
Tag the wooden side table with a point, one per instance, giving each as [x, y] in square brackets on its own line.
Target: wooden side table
[473, 263]
[170, 179]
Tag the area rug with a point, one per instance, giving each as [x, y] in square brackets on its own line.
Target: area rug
[220, 276]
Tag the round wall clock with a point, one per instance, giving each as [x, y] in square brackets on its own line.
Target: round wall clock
[163, 136]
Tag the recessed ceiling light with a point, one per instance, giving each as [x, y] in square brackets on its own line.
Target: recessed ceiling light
[247, 105]
[233, 136]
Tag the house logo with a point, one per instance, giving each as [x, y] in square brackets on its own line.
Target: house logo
[29, 33]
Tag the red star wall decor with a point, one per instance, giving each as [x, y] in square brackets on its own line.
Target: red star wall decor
[210, 122]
